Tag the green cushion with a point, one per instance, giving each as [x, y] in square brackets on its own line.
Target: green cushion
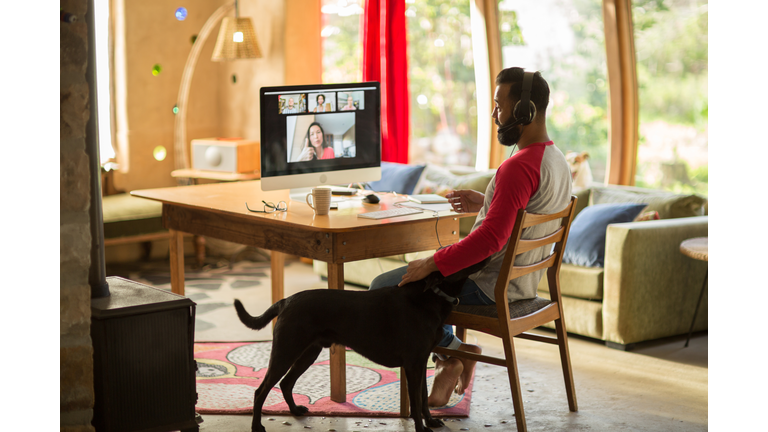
[577, 281]
[582, 317]
[583, 200]
[125, 215]
[668, 204]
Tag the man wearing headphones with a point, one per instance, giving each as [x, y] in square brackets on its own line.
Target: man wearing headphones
[537, 178]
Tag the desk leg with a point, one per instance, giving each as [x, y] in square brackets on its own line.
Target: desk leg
[199, 250]
[338, 352]
[177, 262]
[277, 264]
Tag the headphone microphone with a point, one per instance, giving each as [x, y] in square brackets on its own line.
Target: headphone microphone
[506, 127]
[525, 99]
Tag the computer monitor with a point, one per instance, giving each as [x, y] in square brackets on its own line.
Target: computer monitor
[324, 134]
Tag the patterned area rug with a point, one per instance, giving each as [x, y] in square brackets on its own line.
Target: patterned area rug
[229, 373]
[215, 286]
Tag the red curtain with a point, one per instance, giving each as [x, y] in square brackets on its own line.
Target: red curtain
[385, 60]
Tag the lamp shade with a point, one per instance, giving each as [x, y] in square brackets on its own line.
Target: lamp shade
[236, 40]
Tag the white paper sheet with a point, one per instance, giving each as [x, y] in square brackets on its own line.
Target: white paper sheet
[429, 207]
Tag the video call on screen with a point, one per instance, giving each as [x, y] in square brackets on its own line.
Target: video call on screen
[305, 129]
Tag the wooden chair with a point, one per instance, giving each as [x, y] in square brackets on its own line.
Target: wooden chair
[507, 320]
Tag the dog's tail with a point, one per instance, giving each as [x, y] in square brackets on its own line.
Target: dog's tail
[259, 322]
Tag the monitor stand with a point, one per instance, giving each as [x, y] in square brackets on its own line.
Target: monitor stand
[300, 194]
[339, 193]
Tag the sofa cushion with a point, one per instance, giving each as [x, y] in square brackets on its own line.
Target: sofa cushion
[586, 240]
[440, 180]
[578, 282]
[668, 204]
[396, 177]
[125, 215]
[582, 317]
[582, 202]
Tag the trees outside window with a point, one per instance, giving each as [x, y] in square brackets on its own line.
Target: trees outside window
[671, 41]
[341, 41]
[564, 39]
[441, 82]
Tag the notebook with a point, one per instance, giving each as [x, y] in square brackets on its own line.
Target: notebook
[427, 199]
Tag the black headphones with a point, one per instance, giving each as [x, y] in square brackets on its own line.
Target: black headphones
[523, 117]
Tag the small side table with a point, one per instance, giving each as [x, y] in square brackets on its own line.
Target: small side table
[195, 174]
[698, 249]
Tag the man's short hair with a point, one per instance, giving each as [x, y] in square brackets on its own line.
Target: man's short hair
[539, 87]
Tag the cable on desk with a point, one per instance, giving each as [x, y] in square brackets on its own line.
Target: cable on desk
[437, 234]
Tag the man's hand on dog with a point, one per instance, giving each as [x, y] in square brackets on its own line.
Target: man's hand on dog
[466, 201]
[418, 270]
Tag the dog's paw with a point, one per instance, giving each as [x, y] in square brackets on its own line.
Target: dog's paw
[258, 428]
[433, 422]
[300, 410]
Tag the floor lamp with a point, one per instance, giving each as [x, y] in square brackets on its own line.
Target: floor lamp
[236, 40]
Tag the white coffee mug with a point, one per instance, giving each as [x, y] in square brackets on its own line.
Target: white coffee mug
[320, 200]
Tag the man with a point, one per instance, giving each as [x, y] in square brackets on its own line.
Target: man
[290, 108]
[536, 178]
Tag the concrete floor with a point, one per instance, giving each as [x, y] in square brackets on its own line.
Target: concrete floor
[659, 386]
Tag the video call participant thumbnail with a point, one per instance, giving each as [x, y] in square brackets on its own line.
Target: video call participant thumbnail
[292, 104]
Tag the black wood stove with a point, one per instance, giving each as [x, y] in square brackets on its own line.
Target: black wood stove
[144, 370]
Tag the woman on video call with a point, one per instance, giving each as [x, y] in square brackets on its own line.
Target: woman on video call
[315, 145]
[320, 104]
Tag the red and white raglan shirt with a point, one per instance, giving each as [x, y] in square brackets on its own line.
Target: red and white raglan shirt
[536, 178]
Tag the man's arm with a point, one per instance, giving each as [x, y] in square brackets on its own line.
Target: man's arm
[517, 179]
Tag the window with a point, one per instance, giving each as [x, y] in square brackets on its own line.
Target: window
[441, 82]
[101, 21]
[564, 39]
[672, 88]
[342, 47]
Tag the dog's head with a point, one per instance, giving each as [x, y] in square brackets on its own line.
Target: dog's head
[451, 285]
[575, 160]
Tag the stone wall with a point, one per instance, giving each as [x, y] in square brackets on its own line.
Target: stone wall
[76, 349]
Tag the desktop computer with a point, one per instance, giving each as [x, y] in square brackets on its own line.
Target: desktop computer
[323, 134]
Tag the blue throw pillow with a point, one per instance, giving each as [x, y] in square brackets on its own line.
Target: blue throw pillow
[396, 177]
[586, 240]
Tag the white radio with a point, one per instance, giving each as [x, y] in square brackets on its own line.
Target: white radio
[234, 155]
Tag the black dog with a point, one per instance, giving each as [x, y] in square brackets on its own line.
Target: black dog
[393, 326]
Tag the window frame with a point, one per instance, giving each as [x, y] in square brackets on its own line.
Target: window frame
[623, 110]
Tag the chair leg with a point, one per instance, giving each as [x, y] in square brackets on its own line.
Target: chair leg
[514, 382]
[565, 360]
[461, 333]
[405, 407]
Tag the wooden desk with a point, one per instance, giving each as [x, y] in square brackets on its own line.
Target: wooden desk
[218, 211]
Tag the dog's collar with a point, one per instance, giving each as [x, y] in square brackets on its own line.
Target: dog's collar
[439, 293]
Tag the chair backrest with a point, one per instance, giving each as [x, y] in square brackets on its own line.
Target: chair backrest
[518, 245]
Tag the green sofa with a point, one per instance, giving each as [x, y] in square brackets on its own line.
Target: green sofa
[646, 290]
